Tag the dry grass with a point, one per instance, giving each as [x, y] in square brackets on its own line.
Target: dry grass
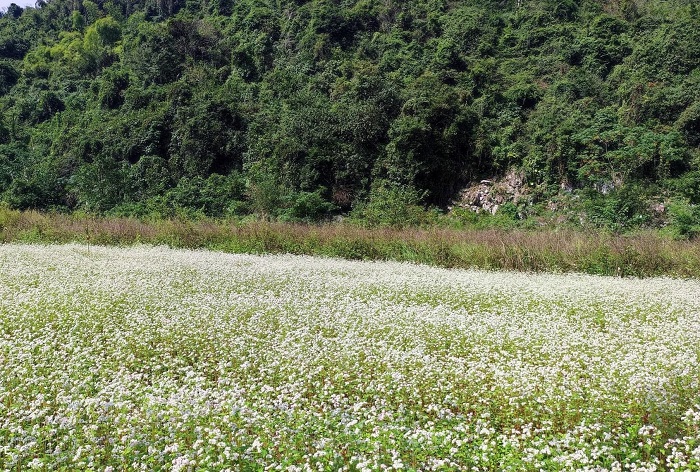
[643, 254]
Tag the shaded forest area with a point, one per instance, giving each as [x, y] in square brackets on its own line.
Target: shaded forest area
[301, 110]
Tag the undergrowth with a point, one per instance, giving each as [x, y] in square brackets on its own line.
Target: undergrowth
[641, 254]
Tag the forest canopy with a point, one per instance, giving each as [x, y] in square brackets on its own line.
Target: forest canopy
[299, 110]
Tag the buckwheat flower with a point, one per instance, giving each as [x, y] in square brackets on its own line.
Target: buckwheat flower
[180, 463]
[174, 447]
[204, 354]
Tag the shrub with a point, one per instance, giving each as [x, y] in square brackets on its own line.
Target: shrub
[307, 207]
[620, 210]
[685, 220]
[391, 205]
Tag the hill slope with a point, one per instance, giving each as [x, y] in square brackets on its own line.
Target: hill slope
[299, 109]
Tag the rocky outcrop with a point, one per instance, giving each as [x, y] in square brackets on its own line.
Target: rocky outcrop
[489, 195]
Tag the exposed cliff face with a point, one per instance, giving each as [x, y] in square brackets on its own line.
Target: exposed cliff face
[489, 195]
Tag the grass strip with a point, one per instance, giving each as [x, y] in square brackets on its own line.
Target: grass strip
[642, 254]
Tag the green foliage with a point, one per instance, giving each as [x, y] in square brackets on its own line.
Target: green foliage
[507, 217]
[307, 207]
[623, 208]
[264, 193]
[321, 106]
[391, 206]
[687, 186]
[216, 195]
[100, 185]
[113, 84]
[8, 76]
[685, 219]
[77, 20]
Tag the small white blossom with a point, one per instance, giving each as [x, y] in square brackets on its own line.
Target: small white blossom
[157, 359]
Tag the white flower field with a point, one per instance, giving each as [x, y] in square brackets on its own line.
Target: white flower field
[148, 358]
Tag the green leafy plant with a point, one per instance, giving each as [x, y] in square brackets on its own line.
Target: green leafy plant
[390, 205]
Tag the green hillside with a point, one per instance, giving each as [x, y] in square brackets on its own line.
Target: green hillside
[300, 110]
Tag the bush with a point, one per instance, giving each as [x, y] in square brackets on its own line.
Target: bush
[685, 220]
[212, 196]
[196, 197]
[620, 210]
[391, 205]
[307, 207]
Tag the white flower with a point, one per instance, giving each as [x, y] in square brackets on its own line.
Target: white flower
[208, 357]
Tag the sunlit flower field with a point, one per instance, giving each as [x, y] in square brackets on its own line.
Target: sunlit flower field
[156, 359]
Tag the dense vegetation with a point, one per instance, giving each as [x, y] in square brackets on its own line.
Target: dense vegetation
[298, 110]
[641, 254]
[161, 360]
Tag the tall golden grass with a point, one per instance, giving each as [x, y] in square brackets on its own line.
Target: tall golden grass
[558, 250]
